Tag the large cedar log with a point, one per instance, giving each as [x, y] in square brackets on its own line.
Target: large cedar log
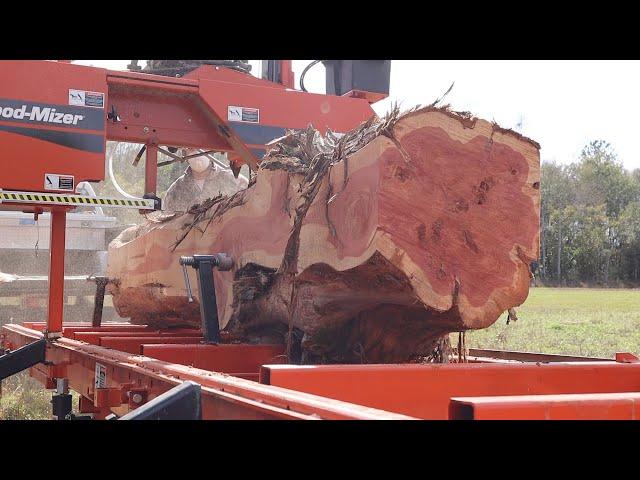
[364, 249]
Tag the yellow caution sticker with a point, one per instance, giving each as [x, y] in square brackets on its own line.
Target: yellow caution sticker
[75, 200]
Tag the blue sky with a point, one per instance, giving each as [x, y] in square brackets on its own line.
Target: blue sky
[561, 104]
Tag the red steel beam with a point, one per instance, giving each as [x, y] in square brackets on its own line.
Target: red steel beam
[586, 406]
[40, 326]
[56, 271]
[532, 356]
[70, 332]
[227, 358]
[567, 390]
[134, 344]
[151, 169]
[94, 337]
[224, 396]
[425, 391]
[146, 82]
[473, 359]
[287, 76]
[626, 357]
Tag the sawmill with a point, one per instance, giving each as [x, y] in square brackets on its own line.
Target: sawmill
[327, 284]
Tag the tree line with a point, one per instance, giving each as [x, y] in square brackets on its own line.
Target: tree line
[590, 221]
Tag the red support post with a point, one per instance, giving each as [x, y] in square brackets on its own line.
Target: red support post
[56, 272]
[286, 74]
[151, 169]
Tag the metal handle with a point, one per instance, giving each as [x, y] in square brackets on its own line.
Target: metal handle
[222, 261]
[204, 265]
[186, 282]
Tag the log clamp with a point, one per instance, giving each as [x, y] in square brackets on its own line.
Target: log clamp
[204, 265]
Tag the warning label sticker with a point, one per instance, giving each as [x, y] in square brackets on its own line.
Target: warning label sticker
[53, 181]
[243, 114]
[101, 376]
[83, 98]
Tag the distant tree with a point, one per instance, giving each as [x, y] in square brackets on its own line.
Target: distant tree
[600, 178]
[556, 194]
[592, 249]
[590, 219]
[629, 228]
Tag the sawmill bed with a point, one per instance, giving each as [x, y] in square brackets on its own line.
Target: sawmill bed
[118, 367]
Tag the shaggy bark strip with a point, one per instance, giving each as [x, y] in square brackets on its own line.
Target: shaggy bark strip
[366, 247]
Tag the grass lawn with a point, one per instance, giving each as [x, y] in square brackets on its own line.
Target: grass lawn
[572, 321]
[23, 398]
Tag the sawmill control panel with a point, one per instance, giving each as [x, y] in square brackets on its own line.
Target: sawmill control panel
[52, 126]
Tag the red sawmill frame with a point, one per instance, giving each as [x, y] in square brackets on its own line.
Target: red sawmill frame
[224, 395]
[241, 381]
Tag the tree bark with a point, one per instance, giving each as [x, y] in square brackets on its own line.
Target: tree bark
[543, 249]
[367, 248]
[559, 261]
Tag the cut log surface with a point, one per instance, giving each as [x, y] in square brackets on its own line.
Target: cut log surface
[367, 248]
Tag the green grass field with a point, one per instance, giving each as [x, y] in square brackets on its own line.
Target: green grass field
[23, 398]
[571, 321]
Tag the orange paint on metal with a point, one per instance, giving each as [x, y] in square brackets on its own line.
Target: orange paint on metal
[585, 390]
[41, 325]
[144, 82]
[223, 396]
[141, 334]
[151, 169]
[22, 82]
[288, 79]
[226, 358]
[94, 337]
[56, 270]
[625, 357]
[340, 114]
[107, 397]
[589, 406]
[134, 344]
[371, 97]
[43, 376]
[532, 357]
[153, 110]
[70, 332]
[425, 391]
[85, 405]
